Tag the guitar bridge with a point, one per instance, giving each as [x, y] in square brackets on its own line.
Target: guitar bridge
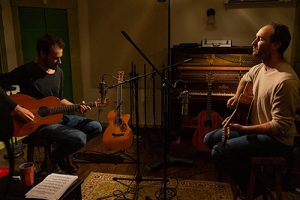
[117, 134]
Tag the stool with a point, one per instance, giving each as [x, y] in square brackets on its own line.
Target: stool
[275, 163]
[34, 142]
[293, 160]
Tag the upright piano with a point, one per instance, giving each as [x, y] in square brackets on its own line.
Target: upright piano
[210, 78]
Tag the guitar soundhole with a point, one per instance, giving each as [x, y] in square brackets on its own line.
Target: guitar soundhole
[118, 121]
[43, 111]
[208, 123]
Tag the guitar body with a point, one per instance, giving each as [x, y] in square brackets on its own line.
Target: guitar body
[34, 105]
[205, 125]
[241, 114]
[117, 136]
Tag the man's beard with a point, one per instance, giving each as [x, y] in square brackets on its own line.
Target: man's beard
[258, 54]
[52, 67]
[255, 52]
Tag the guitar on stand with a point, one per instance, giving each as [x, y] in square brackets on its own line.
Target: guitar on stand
[118, 135]
[241, 112]
[207, 120]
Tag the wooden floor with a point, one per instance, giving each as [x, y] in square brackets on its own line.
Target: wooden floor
[151, 153]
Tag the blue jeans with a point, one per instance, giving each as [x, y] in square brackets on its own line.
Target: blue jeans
[69, 135]
[234, 157]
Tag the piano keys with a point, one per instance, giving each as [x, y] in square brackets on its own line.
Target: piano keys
[196, 93]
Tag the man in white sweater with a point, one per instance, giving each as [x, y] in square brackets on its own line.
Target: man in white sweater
[271, 129]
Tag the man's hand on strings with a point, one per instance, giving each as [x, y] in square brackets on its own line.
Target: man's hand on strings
[83, 108]
[231, 103]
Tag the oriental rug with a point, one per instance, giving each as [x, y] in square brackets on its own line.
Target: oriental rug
[102, 186]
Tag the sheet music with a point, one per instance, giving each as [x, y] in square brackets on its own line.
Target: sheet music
[52, 187]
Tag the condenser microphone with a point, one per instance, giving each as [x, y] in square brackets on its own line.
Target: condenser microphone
[184, 96]
[103, 90]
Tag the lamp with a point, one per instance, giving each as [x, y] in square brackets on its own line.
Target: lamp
[211, 16]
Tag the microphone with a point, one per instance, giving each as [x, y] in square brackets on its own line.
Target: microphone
[184, 99]
[103, 90]
[126, 36]
[187, 60]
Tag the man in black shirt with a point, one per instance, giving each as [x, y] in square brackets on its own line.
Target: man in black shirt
[43, 78]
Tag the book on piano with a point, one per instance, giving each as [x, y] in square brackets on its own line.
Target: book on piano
[216, 43]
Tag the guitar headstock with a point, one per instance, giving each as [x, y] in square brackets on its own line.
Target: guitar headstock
[102, 103]
[210, 78]
[120, 76]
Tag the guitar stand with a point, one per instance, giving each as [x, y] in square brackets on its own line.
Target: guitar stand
[97, 157]
[171, 161]
[123, 154]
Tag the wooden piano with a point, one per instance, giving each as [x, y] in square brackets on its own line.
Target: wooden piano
[212, 74]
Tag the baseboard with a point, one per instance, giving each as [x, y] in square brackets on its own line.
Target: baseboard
[2, 146]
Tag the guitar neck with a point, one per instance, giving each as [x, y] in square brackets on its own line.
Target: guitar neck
[119, 101]
[66, 108]
[119, 98]
[208, 103]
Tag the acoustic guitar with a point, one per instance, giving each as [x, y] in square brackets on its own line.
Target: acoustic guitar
[241, 112]
[48, 110]
[207, 120]
[118, 135]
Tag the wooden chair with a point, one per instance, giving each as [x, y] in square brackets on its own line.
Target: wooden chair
[46, 145]
[274, 165]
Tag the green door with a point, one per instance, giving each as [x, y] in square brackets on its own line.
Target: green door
[36, 22]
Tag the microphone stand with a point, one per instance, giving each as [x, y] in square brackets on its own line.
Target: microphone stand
[166, 86]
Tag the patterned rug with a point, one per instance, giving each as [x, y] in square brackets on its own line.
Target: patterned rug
[102, 186]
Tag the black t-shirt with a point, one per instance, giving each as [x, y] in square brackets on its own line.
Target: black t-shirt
[35, 82]
[6, 105]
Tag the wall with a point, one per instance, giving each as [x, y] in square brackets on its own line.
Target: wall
[9, 34]
[296, 47]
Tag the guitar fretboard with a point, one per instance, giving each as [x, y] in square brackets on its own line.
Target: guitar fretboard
[66, 108]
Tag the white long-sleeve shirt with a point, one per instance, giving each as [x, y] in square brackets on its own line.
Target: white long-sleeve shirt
[276, 97]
